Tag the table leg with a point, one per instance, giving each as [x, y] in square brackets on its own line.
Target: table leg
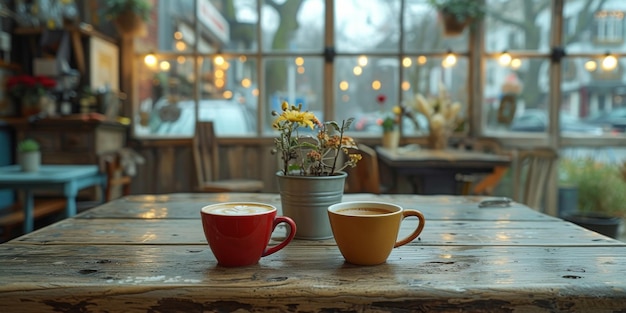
[29, 219]
[70, 191]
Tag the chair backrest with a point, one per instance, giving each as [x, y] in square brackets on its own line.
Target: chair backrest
[531, 172]
[365, 177]
[205, 152]
[487, 145]
[116, 177]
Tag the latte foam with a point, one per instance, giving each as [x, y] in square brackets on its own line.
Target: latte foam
[239, 210]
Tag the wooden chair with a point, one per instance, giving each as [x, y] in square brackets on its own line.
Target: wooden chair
[365, 177]
[483, 184]
[116, 177]
[206, 160]
[118, 180]
[531, 172]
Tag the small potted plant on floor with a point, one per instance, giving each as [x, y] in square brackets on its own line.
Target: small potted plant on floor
[457, 14]
[29, 156]
[601, 192]
[129, 16]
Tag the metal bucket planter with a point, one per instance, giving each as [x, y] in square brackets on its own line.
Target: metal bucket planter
[306, 200]
[600, 223]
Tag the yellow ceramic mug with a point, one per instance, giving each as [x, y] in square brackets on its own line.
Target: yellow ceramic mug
[367, 231]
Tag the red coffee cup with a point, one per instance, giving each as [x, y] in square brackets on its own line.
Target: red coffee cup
[238, 233]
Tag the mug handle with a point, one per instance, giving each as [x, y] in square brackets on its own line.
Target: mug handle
[417, 231]
[290, 234]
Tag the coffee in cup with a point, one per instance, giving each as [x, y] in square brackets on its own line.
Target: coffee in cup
[238, 233]
[367, 231]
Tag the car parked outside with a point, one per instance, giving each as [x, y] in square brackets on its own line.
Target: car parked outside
[230, 118]
[614, 119]
[536, 120]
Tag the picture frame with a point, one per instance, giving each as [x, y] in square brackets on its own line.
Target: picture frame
[103, 64]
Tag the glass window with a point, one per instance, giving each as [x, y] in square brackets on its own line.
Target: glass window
[597, 26]
[359, 81]
[518, 25]
[367, 26]
[516, 95]
[593, 93]
[161, 84]
[421, 22]
[297, 80]
[293, 25]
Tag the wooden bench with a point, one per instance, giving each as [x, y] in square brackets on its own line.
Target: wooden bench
[13, 216]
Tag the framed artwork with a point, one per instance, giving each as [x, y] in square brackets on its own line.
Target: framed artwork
[104, 63]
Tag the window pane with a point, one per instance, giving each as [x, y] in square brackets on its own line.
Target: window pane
[297, 80]
[516, 95]
[593, 26]
[162, 85]
[171, 28]
[367, 25]
[424, 75]
[594, 95]
[293, 26]
[228, 95]
[424, 30]
[358, 83]
[242, 20]
[518, 25]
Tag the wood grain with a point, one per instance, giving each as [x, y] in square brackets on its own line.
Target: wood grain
[148, 253]
[436, 232]
[189, 205]
[414, 279]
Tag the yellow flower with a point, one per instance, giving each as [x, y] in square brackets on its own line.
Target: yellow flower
[355, 157]
[311, 155]
[294, 116]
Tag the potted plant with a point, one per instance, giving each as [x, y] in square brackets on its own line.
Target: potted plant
[30, 92]
[442, 115]
[601, 192]
[129, 16]
[311, 178]
[29, 156]
[391, 133]
[457, 14]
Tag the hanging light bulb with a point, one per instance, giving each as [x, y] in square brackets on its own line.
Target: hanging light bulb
[591, 65]
[516, 63]
[505, 58]
[449, 60]
[150, 60]
[609, 62]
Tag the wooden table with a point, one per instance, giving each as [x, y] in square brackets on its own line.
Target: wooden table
[434, 172]
[68, 179]
[148, 253]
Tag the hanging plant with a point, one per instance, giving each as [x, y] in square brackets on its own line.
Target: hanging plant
[458, 14]
[129, 16]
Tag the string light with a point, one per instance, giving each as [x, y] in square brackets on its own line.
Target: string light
[591, 65]
[609, 62]
[449, 60]
[504, 59]
[516, 63]
[150, 60]
[362, 61]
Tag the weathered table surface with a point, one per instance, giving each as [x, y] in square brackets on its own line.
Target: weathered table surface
[148, 253]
